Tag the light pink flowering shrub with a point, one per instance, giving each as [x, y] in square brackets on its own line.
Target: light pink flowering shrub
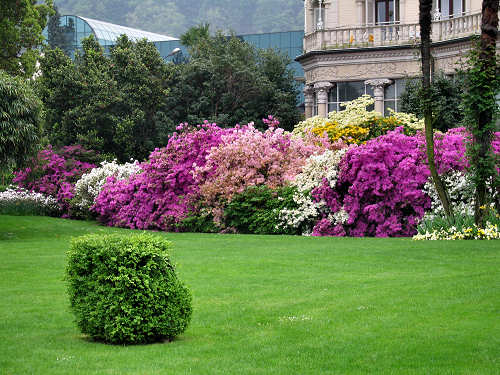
[248, 157]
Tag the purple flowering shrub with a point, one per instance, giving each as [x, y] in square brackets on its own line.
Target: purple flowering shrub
[55, 172]
[164, 192]
[380, 184]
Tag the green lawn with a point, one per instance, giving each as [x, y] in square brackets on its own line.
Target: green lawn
[267, 305]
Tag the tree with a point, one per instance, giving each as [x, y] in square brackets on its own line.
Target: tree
[228, 81]
[113, 104]
[21, 25]
[425, 7]
[20, 126]
[481, 110]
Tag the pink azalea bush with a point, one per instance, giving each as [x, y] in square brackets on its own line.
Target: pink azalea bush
[55, 172]
[248, 157]
[164, 191]
[380, 184]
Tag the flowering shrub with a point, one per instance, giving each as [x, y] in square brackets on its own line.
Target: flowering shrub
[438, 227]
[88, 187]
[164, 192]
[54, 172]
[356, 125]
[307, 210]
[17, 201]
[248, 157]
[381, 185]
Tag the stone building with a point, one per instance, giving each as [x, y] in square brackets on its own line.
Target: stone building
[353, 47]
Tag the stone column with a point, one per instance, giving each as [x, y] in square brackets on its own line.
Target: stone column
[378, 91]
[322, 89]
[308, 100]
[359, 8]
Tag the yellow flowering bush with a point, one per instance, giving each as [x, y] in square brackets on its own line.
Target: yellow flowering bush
[355, 124]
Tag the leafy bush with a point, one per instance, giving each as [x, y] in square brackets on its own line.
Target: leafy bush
[446, 100]
[22, 202]
[257, 209]
[124, 290]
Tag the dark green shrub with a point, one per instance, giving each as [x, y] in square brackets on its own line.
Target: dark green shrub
[124, 289]
[256, 210]
[447, 104]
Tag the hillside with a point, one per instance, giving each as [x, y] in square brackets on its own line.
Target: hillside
[175, 17]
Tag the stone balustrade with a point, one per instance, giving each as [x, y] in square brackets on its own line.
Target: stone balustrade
[391, 34]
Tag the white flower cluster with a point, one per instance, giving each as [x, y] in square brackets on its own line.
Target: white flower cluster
[461, 193]
[22, 198]
[355, 112]
[317, 167]
[490, 232]
[88, 187]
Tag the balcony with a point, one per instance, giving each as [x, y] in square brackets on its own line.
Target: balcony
[393, 34]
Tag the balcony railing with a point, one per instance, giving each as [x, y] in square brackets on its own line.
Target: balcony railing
[391, 34]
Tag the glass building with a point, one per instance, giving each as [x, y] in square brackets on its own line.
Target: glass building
[75, 28]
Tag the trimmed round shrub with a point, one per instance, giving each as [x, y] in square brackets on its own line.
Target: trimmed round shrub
[124, 289]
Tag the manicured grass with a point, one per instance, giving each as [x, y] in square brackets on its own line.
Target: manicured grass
[267, 305]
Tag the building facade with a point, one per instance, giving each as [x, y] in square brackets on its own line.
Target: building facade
[353, 47]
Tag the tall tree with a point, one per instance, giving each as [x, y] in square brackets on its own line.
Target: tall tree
[425, 51]
[20, 128]
[21, 25]
[482, 109]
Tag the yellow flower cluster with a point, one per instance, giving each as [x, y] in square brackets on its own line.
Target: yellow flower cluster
[351, 134]
[490, 232]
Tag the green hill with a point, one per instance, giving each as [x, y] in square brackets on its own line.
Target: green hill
[175, 17]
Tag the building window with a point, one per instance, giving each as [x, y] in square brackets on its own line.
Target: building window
[451, 8]
[392, 93]
[387, 11]
[319, 15]
[346, 91]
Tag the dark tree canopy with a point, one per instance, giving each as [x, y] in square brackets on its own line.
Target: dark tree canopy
[110, 104]
[229, 81]
[21, 25]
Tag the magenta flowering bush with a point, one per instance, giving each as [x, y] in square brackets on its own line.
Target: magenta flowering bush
[164, 192]
[55, 172]
[248, 157]
[380, 184]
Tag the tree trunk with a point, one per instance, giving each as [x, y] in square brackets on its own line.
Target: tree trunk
[483, 137]
[425, 50]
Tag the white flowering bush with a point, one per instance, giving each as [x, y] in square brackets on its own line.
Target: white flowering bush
[315, 171]
[355, 112]
[436, 226]
[460, 190]
[18, 201]
[88, 187]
